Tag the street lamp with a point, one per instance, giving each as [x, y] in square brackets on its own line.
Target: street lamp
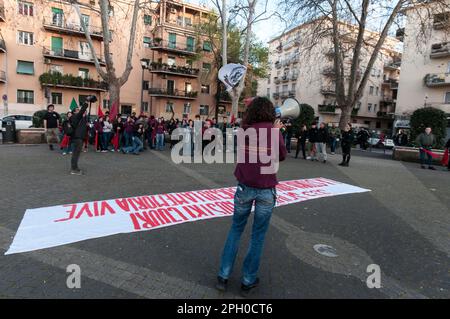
[144, 64]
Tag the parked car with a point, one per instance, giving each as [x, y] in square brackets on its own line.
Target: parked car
[375, 141]
[22, 121]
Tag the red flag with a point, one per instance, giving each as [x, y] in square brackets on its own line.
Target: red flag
[232, 119]
[114, 111]
[115, 141]
[65, 141]
[445, 158]
[96, 140]
[100, 112]
[433, 155]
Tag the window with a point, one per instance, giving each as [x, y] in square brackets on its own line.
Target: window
[189, 63]
[56, 98]
[85, 19]
[172, 40]
[207, 67]
[268, 92]
[373, 72]
[369, 106]
[56, 68]
[205, 89]
[371, 90]
[147, 42]
[25, 8]
[25, 96]
[169, 107]
[147, 19]
[145, 85]
[57, 17]
[187, 108]
[171, 60]
[106, 104]
[187, 87]
[188, 22]
[377, 91]
[190, 43]
[447, 98]
[25, 67]
[24, 37]
[145, 106]
[204, 109]
[207, 46]
[83, 73]
[374, 108]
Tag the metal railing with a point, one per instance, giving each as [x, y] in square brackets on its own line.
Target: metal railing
[440, 50]
[173, 93]
[2, 76]
[59, 22]
[182, 70]
[71, 54]
[327, 108]
[173, 46]
[437, 79]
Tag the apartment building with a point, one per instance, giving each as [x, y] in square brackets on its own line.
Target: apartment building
[306, 71]
[182, 67]
[45, 58]
[425, 77]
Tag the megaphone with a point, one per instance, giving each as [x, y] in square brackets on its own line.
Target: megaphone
[289, 110]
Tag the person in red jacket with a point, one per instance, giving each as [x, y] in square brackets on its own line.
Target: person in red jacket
[255, 187]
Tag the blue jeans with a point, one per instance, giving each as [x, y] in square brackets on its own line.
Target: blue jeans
[128, 137]
[333, 144]
[136, 146]
[264, 200]
[106, 137]
[160, 142]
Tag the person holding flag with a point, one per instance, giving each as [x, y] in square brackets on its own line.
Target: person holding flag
[78, 122]
[426, 140]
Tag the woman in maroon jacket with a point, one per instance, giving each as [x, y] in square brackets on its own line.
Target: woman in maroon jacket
[256, 186]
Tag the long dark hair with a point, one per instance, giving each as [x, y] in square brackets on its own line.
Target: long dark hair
[260, 110]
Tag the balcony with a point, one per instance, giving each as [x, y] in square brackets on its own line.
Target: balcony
[71, 55]
[440, 50]
[291, 93]
[176, 94]
[285, 78]
[294, 76]
[162, 45]
[164, 68]
[329, 71]
[2, 13]
[276, 80]
[328, 91]
[278, 64]
[60, 25]
[441, 20]
[437, 80]
[385, 115]
[276, 95]
[355, 111]
[69, 81]
[330, 109]
[224, 97]
[2, 46]
[284, 94]
[391, 83]
[394, 65]
[2, 76]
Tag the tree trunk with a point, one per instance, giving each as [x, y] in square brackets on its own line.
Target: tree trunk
[346, 116]
[114, 94]
[234, 104]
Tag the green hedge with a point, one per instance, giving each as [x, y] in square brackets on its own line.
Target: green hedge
[306, 117]
[38, 118]
[429, 117]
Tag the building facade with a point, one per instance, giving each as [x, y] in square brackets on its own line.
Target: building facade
[306, 72]
[45, 58]
[425, 77]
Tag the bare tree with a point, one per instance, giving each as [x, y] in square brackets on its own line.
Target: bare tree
[108, 73]
[245, 11]
[349, 24]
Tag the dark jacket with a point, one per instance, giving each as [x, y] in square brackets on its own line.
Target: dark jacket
[347, 139]
[250, 174]
[322, 135]
[79, 123]
[447, 145]
[302, 135]
[312, 134]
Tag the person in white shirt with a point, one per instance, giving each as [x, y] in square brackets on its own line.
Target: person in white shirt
[106, 136]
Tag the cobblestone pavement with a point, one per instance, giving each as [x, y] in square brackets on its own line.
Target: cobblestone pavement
[402, 225]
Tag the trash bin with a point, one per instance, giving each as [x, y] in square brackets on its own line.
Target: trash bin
[9, 131]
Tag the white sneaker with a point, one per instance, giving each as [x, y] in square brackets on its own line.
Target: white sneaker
[64, 154]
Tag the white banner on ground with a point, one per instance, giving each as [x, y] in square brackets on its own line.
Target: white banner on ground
[58, 225]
